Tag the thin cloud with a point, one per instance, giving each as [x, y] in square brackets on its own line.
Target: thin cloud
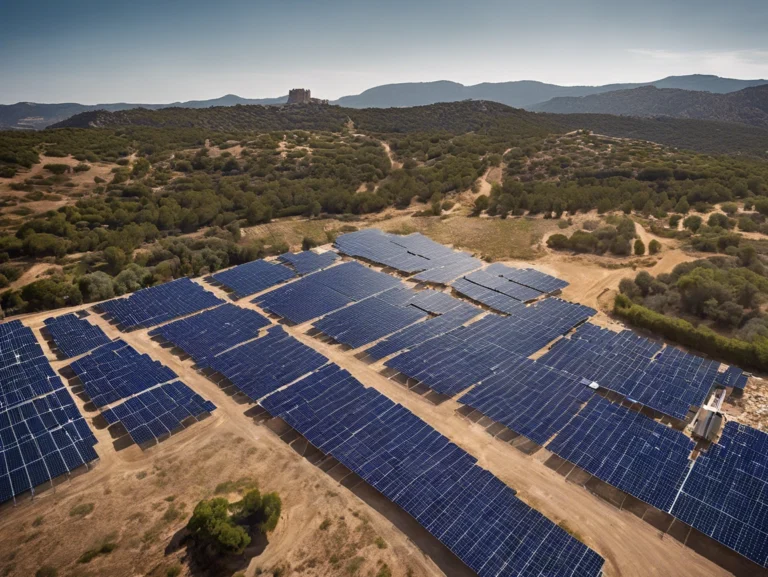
[732, 63]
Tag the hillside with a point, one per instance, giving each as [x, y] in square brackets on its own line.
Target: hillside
[455, 117]
[32, 115]
[521, 94]
[748, 106]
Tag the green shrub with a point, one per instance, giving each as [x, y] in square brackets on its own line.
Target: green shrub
[57, 168]
[81, 510]
[46, 571]
[91, 554]
[654, 247]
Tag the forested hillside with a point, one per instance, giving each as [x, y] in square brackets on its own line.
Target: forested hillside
[748, 106]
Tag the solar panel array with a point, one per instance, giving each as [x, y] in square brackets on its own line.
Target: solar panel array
[75, 336]
[529, 398]
[158, 304]
[627, 450]
[529, 277]
[326, 291]
[309, 261]
[253, 277]
[464, 506]
[503, 286]
[413, 253]
[733, 377]
[421, 332]
[726, 494]
[42, 433]
[489, 297]
[116, 370]
[367, 321]
[262, 366]
[159, 411]
[452, 362]
[209, 333]
[25, 373]
[668, 380]
[40, 440]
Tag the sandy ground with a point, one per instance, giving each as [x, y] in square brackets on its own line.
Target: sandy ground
[35, 272]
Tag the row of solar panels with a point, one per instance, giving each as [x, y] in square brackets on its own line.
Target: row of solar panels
[42, 433]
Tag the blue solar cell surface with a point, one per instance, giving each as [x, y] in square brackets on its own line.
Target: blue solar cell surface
[726, 494]
[733, 377]
[465, 507]
[41, 440]
[209, 333]
[42, 433]
[627, 450]
[665, 379]
[326, 291]
[309, 261]
[158, 411]
[75, 336]
[422, 332]
[116, 370]
[529, 398]
[25, 373]
[491, 298]
[502, 285]
[368, 320]
[158, 304]
[528, 277]
[253, 277]
[413, 253]
[261, 366]
[460, 358]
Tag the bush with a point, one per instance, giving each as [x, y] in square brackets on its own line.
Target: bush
[729, 208]
[639, 247]
[736, 351]
[654, 247]
[91, 554]
[46, 571]
[82, 167]
[57, 168]
[693, 223]
[96, 286]
[50, 293]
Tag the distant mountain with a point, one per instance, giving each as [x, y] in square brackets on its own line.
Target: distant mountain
[747, 106]
[26, 115]
[521, 94]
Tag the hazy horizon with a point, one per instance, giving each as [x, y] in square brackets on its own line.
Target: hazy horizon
[166, 51]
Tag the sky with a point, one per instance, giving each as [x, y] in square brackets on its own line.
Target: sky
[159, 51]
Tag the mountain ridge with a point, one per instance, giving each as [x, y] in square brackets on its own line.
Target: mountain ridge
[747, 106]
[518, 94]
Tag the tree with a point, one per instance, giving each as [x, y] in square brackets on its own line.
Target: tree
[558, 242]
[115, 259]
[643, 281]
[212, 525]
[258, 213]
[481, 204]
[729, 208]
[50, 293]
[718, 219]
[674, 220]
[654, 246]
[639, 247]
[692, 223]
[96, 286]
[682, 206]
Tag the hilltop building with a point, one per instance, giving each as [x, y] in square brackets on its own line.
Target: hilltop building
[303, 96]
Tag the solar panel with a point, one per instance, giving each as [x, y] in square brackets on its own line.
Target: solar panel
[74, 336]
[454, 361]
[733, 377]
[323, 292]
[42, 433]
[627, 450]
[503, 286]
[367, 321]
[528, 277]
[158, 411]
[668, 380]
[726, 494]
[261, 366]
[413, 253]
[529, 398]
[116, 370]
[421, 332]
[25, 372]
[253, 277]
[158, 304]
[491, 298]
[308, 261]
[465, 507]
[209, 333]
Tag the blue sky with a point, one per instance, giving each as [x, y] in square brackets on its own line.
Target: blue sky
[168, 50]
